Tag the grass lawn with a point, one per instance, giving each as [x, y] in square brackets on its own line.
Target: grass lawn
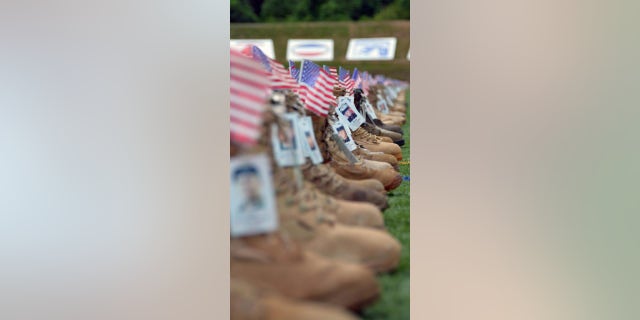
[394, 302]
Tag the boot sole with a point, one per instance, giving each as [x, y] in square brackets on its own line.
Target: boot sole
[395, 183]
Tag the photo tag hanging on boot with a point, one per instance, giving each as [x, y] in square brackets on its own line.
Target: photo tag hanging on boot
[391, 93]
[382, 105]
[388, 99]
[308, 142]
[286, 149]
[344, 133]
[348, 113]
[368, 108]
[253, 209]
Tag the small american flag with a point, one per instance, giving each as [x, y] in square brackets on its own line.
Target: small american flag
[345, 79]
[316, 87]
[295, 74]
[249, 90]
[333, 73]
[357, 81]
[365, 82]
[279, 76]
[293, 70]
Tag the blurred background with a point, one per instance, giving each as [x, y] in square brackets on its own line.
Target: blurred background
[327, 19]
[318, 10]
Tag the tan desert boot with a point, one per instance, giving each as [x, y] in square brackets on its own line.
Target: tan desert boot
[377, 156]
[402, 97]
[362, 169]
[390, 119]
[373, 98]
[274, 263]
[369, 184]
[398, 119]
[328, 181]
[373, 143]
[385, 139]
[348, 212]
[359, 100]
[382, 138]
[251, 303]
[399, 107]
[397, 114]
[395, 137]
[383, 125]
[319, 232]
[373, 129]
[351, 213]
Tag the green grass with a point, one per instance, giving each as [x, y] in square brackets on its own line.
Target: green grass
[394, 301]
[340, 32]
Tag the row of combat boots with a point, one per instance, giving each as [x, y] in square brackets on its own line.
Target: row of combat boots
[330, 242]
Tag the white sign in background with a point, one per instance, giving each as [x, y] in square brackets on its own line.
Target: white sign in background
[266, 45]
[372, 49]
[310, 49]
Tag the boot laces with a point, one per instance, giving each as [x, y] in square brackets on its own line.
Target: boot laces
[366, 136]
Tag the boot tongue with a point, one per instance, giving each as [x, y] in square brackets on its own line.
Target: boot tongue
[361, 134]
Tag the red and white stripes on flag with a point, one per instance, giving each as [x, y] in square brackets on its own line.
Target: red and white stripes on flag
[345, 80]
[278, 75]
[348, 84]
[249, 90]
[365, 82]
[315, 86]
[333, 72]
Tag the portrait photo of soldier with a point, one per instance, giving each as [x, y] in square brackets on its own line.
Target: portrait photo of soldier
[349, 114]
[286, 136]
[248, 179]
[342, 132]
[310, 140]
